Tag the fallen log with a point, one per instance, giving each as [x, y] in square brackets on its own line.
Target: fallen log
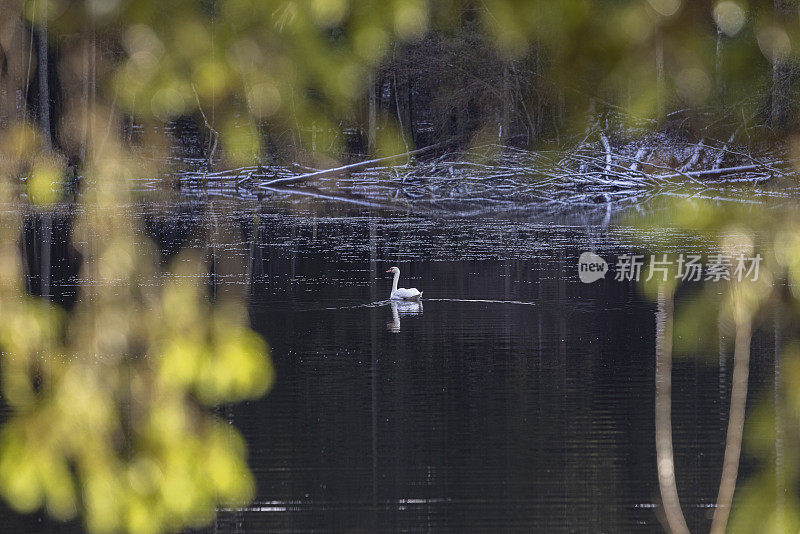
[349, 168]
[721, 172]
[693, 175]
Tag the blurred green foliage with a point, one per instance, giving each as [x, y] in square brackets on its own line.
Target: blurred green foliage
[110, 401]
[305, 68]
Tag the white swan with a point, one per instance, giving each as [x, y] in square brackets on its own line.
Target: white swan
[402, 293]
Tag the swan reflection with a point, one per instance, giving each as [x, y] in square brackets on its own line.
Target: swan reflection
[401, 309]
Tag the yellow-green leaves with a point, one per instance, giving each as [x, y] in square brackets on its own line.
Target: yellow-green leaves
[109, 402]
[144, 456]
[209, 351]
[329, 13]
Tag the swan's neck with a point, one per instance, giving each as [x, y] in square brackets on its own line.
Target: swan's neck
[394, 283]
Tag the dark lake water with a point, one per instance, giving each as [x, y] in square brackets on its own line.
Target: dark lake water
[514, 399]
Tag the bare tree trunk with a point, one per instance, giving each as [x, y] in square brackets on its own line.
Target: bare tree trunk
[718, 77]
[396, 91]
[372, 120]
[540, 100]
[733, 439]
[44, 86]
[47, 145]
[664, 454]
[14, 41]
[85, 102]
[22, 88]
[781, 70]
[660, 77]
[4, 115]
[400, 125]
[93, 86]
[507, 98]
[410, 92]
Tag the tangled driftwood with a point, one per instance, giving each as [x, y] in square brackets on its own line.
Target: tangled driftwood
[493, 178]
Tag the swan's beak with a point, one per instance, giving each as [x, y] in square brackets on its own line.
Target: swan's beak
[389, 271]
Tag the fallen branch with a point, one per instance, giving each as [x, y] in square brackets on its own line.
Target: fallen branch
[721, 172]
[348, 168]
[501, 179]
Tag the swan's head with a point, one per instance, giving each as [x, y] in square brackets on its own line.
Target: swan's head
[394, 270]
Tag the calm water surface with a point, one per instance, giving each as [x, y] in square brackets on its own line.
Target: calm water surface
[514, 399]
